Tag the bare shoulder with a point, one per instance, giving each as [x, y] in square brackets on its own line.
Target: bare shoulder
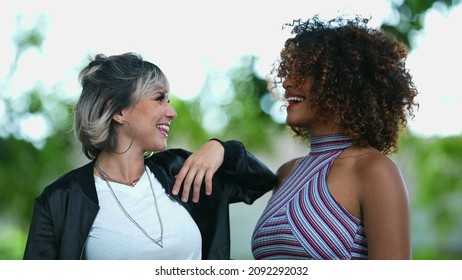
[284, 170]
[286, 167]
[370, 174]
[385, 207]
[379, 171]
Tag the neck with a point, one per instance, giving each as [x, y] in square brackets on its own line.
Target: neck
[120, 168]
[326, 130]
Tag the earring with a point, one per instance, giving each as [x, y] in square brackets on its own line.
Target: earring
[131, 142]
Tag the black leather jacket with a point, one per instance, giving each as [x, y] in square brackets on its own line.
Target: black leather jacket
[65, 211]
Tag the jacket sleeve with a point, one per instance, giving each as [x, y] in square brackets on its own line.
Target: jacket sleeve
[41, 241]
[243, 176]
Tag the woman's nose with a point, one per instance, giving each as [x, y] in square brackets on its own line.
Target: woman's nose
[170, 112]
[288, 82]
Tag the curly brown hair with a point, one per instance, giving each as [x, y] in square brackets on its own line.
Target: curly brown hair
[360, 78]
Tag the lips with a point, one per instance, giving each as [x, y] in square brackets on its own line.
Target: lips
[164, 128]
[293, 99]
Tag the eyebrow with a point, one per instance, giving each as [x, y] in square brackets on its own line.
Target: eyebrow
[159, 91]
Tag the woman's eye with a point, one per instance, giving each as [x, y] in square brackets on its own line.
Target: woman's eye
[160, 97]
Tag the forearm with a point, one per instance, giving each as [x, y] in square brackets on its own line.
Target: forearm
[249, 176]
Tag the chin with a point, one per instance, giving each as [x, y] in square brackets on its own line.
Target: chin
[160, 147]
[297, 122]
[291, 123]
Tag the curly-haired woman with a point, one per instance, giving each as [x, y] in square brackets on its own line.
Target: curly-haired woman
[349, 94]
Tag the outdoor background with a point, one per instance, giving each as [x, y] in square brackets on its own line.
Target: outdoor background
[216, 55]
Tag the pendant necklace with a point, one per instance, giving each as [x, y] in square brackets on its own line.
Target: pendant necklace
[157, 241]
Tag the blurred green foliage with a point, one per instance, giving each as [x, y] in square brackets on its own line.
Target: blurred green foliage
[241, 109]
[27, 165]
[436, 198]
[408, 16]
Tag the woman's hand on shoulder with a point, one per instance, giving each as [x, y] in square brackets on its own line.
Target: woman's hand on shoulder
[199, 167]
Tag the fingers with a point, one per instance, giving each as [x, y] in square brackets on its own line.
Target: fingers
[179, 179]
[198, 178]
[197, 169]
[189, 177]
[185, 179]
[208, 182]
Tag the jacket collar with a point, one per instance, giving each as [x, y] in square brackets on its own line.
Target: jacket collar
[87, 181]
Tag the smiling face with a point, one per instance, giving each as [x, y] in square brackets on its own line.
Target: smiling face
[300, 110]
[150, 119]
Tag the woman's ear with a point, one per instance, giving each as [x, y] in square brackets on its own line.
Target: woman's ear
[118, 117]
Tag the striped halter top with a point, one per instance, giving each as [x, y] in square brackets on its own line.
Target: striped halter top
[303, 220]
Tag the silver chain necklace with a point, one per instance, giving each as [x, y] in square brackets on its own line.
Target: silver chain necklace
[109, 178]
[158, 241]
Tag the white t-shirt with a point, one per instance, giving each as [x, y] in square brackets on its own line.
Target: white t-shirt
[114, 236]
